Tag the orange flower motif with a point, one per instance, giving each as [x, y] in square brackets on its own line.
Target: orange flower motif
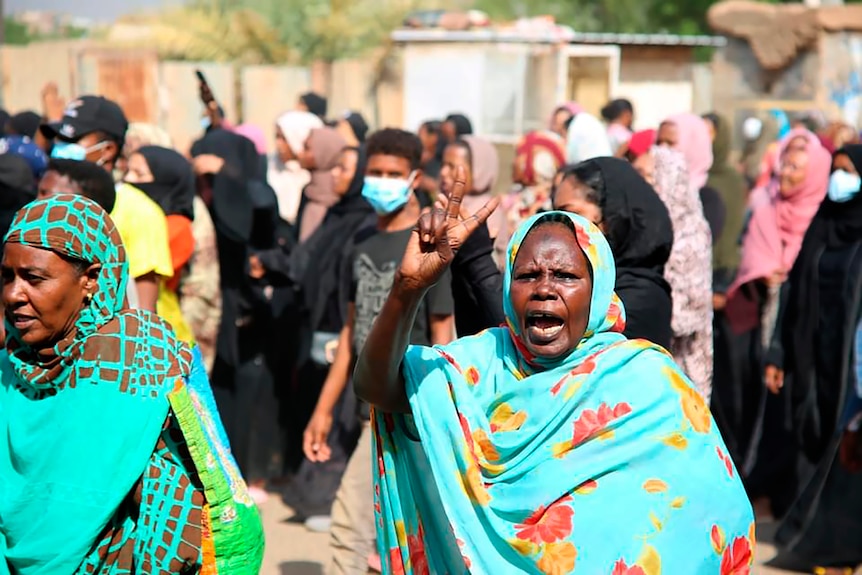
[737, 558]
[558, 559]
[718, 539]
[472, 375]
[693, 407]
[473, 485]
[676, 440]
[728, 464]
[655, 486]
[593, 423]
[587, 487]
[620, 568]
[548, 525]
[504, 418]
[486, 448]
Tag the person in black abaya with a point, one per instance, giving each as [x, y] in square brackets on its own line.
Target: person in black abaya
[321, 269]
[610, 193]
[244, 213]
[812, 364]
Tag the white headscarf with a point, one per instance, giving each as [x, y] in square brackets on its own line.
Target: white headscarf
[289, 179]
[587, 139]
[296, 127]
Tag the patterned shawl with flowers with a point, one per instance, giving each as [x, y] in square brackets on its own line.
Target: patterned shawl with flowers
[605, 461]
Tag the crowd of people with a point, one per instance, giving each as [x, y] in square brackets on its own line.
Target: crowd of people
[403, 353]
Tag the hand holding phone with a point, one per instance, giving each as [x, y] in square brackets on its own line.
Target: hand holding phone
[208, 99]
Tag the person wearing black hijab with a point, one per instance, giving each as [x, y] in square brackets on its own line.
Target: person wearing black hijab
[313, 103]
[321, 269]
[455, 126]
[173, 184]
[814, 364]
[245, 216]
[24, 124]
[611, 194]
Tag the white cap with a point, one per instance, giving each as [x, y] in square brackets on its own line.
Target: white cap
[751, 128]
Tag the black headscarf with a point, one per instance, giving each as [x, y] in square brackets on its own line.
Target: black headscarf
[462, 124]
[636, 221]
[25, 124]
[318, 263]
[814, 359]
[230, 201]
[358, 125]
[232, 209]
[639, 230]
[839, 224]
[173, 185]
[238, 152]
[315, 104]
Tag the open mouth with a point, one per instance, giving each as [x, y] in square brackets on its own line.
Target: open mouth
[22, 321]
[543, 326]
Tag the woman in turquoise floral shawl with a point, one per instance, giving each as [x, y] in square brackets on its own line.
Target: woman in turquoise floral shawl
[551, 445]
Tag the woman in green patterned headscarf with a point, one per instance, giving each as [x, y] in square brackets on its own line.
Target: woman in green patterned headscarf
[112, 460]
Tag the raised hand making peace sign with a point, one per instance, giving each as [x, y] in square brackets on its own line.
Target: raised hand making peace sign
[437, 237]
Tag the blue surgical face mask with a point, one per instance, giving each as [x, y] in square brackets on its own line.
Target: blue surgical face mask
[387, 195]
[206, 122]
[843, 186]
[72, 151]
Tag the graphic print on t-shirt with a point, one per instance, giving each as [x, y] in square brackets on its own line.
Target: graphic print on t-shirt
[372, 288]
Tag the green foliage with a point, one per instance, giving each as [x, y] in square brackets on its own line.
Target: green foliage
[16, 32]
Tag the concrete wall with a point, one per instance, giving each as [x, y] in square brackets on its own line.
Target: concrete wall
[659, 80]
[841, 81]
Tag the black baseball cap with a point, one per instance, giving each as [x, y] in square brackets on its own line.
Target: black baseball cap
[86, 115]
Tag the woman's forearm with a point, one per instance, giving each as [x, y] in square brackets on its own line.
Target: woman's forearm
[377, 378]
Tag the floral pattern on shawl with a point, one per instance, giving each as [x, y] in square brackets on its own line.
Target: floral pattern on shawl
[688, 270]
[474, 495]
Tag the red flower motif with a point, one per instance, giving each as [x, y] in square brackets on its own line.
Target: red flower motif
[396, 563]
[548, 525]
[472, 375]
[737, 558]
[450, 359]
[466, 559]
[620, 568]
[616, 314]
[418, 559]
[583, 238]
[587, 366]
[728, 463]
[592, 423]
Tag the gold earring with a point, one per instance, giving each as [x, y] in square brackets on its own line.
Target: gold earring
[88, 299]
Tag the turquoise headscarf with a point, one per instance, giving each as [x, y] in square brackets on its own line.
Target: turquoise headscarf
[604, 460]
[80, 423]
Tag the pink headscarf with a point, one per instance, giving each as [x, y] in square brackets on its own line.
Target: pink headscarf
[695, 143]
[485, 168]
[779, 221]
[253, 133]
